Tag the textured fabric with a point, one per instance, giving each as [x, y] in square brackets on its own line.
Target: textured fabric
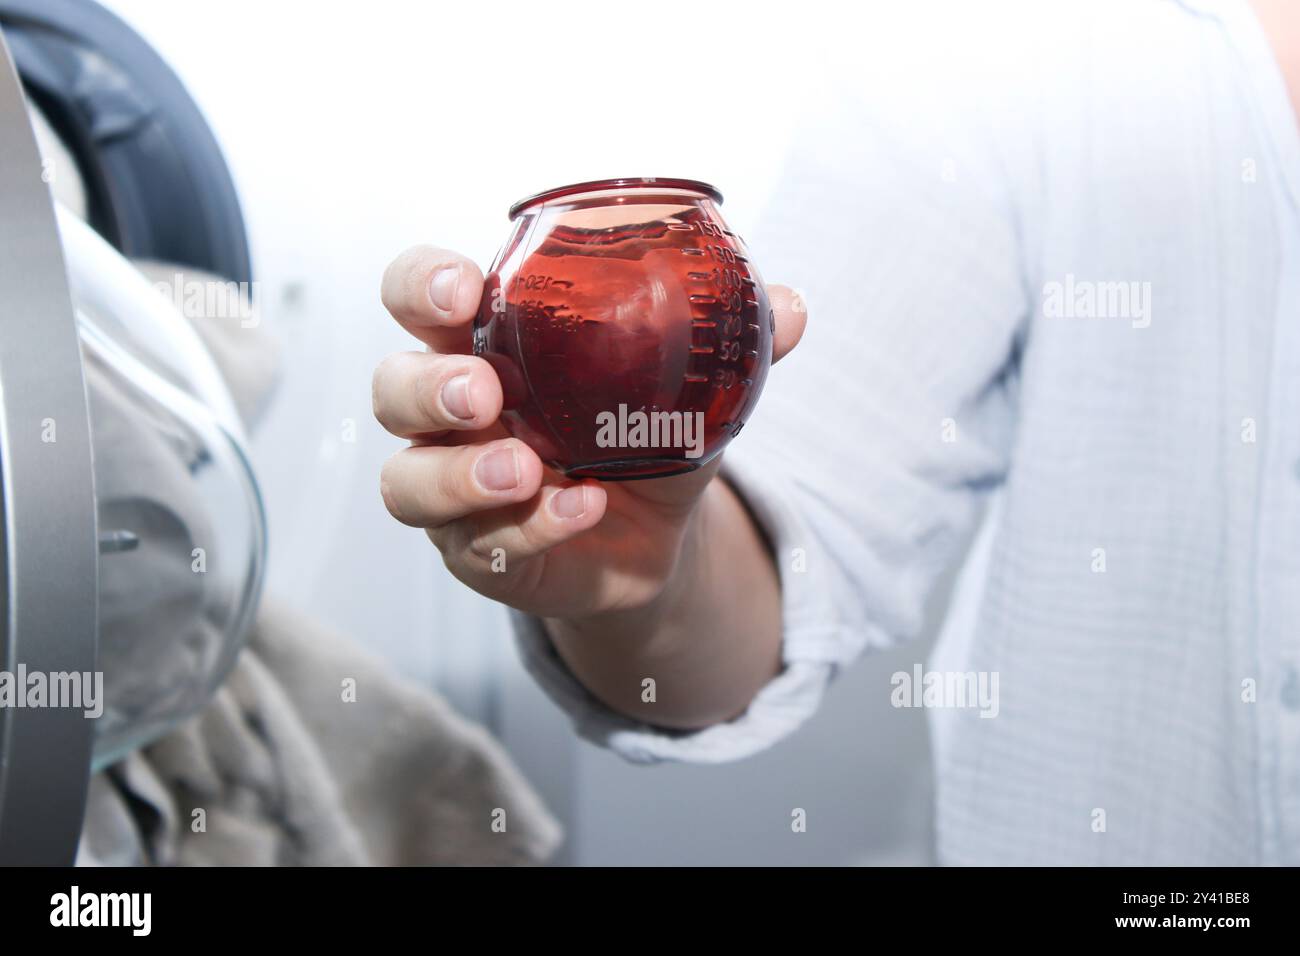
[280, 770]
[948, 214]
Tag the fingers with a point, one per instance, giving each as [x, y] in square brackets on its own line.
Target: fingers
[434, 294]
[481, 501]
[426, 486]
[558, 513]
[791, 318]
[421, 394]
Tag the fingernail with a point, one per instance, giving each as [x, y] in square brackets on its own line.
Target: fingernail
[498, 470]
[455, 398]
[442, 288]
[569, 503]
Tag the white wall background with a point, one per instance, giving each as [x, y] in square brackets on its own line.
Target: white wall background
[354, 130]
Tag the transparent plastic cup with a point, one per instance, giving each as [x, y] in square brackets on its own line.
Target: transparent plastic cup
[628, 325]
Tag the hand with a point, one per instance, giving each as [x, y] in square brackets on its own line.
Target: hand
[508, 526]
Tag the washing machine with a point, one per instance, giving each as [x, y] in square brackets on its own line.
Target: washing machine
[132, 537]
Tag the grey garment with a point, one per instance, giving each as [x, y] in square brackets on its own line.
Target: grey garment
[159, 649]
[313, 753]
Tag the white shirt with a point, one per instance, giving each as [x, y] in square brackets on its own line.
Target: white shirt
[1061, 265]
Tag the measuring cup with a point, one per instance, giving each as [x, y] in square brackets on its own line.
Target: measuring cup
[629, 328]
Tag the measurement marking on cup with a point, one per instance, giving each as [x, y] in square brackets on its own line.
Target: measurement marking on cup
[704, 324]
[704, 299]
[698, 276]
[693, 252]
[696, 378]
[701, 349]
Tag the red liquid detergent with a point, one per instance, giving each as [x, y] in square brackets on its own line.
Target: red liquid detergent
[631, 332]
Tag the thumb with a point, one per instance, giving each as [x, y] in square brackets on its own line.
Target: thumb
[791, 317]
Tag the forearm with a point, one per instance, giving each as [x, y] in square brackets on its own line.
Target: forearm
[709, 641]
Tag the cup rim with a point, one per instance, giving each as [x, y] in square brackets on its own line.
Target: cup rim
[599, 185]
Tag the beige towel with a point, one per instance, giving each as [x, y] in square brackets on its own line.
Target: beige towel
[313, 753]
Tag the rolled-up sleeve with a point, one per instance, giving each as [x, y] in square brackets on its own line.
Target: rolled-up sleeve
[866, 460]
[814, 643]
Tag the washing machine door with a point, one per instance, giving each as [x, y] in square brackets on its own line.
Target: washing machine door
[155, 180]
[48, 535]
[133, 531]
